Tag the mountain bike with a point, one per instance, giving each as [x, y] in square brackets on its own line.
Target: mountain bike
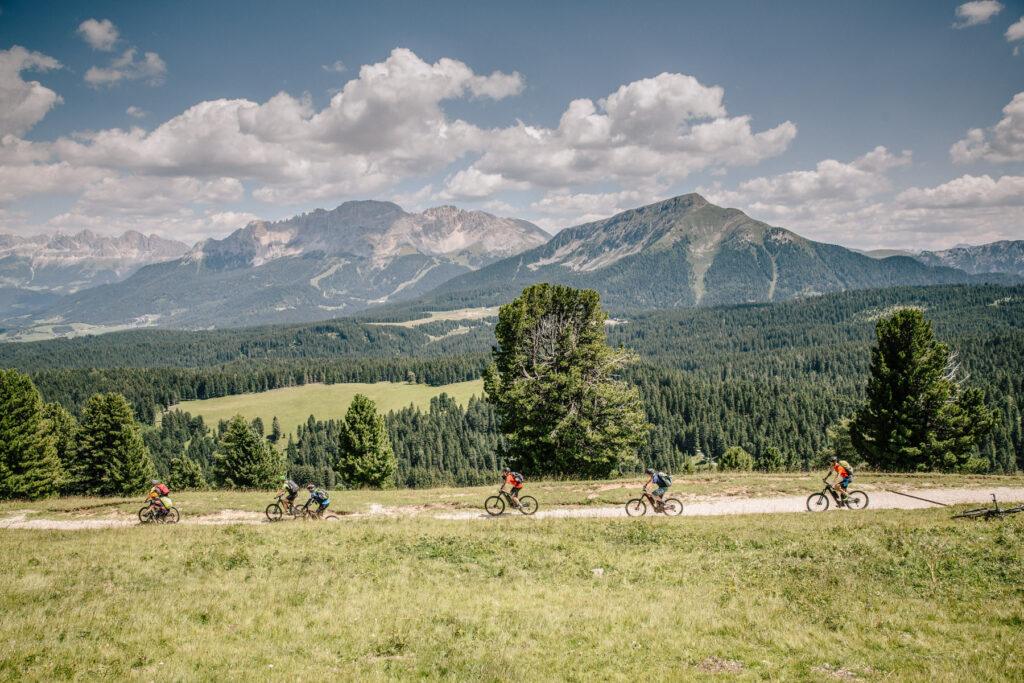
[818, 502]
[637, 507]
[989, 513]
[280, 507]
[304, 511]
[495, 505]
[155, 512]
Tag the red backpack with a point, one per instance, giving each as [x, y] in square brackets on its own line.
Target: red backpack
[162, 489]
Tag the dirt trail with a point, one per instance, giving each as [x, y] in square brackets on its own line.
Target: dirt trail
[710, 505]
[879, 499]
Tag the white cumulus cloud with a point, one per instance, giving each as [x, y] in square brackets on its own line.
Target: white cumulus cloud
[967, 191]
[101, 35]
[977, 12]
[129, 67]
[1003, 142]
[652, 131]
[23, 103]
[1016, 31]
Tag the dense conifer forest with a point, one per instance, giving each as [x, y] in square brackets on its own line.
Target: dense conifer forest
[755, 376]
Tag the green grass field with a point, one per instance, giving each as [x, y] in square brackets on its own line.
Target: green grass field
[903, 595]
[294, 405]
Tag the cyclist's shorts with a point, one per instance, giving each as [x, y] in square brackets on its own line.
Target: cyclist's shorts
[846, 481]
[660, 491]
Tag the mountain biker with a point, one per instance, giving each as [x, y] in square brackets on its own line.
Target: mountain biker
[844, 472]
[659, 480]
[291, 487]
[320, 496]
[515, 482]
[161, 495]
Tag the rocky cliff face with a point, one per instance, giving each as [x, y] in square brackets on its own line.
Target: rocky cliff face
[997, 257]
[62, 263]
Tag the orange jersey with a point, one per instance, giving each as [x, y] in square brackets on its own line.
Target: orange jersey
[840, 470]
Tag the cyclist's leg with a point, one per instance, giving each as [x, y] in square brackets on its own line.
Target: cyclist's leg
[659, 494]
[515, 495]
[843, 485]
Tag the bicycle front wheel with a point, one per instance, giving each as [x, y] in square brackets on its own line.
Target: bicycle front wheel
[672, 507]
[817, 502]
[494, 505]
[857, 500]
[636, 508]
[527, 505]
[274, 512]
[146, 515]
[331, 517]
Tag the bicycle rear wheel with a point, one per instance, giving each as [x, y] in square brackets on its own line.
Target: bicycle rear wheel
[172, 516]
[331, 517]
[494, 505]
[527, 505]
[274, 512]
[856, 500]
[636, 507]
[672, 507]
[817, 502]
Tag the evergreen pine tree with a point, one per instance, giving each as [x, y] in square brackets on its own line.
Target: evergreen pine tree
[244, 459]
[919, 415]
[275, 431]
[553, 384]
[185, 474]
[111, 460]
[29, 466]
[736, 459]
[64, 428]
[771, 460]
[365, 453]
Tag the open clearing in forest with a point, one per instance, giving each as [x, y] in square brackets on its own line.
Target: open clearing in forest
[870, 595]
[294, 405]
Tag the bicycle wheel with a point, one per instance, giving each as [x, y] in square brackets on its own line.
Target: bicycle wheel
[636, 507]
[494, 505]
[146, 515]
[172, 516]
[672, 507]
[274, 512]
[527, 505]
[331, 517]
[857, 500]
[817, 502]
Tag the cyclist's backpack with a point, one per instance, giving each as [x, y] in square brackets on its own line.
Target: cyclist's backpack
[518, 477]
[665, 479]
[162, 489]
[846, 465]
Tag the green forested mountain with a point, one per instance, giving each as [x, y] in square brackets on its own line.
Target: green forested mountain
[685, 252]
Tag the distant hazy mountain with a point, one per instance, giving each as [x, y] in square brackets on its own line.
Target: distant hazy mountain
[315, 266]
[15, 301]
[683, 252]
[884, 253]
[63, 264]
[997, 257]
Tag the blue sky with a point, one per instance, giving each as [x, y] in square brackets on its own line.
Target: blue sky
[869, 124]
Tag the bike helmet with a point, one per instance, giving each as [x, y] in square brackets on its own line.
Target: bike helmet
[506, 469]
[310, 486]
[281, 478]
[835, 459]
[650, 470]
[154, 482]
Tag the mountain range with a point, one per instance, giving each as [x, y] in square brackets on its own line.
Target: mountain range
[373, 255]
[319, 265]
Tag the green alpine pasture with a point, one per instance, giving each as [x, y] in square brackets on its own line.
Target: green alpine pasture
[293, 405]
[877, 595]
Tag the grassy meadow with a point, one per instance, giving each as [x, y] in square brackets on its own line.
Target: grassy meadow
[294, 405]
[908, 595]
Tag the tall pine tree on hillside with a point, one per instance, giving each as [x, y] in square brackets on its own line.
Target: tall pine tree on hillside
[29, 466]
[112, 460]
[185, 473]
[64, 428]
[554, 388]
[365, 454]
[244, 459]
[919, 414]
